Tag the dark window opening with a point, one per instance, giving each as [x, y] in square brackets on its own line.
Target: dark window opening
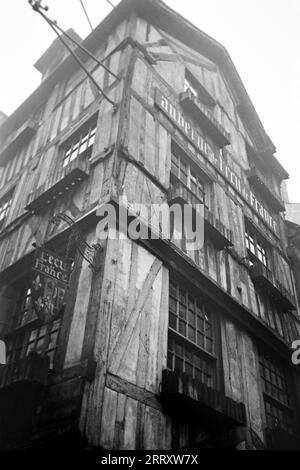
[192, 84]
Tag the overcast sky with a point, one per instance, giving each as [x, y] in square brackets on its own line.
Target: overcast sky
[261, 36]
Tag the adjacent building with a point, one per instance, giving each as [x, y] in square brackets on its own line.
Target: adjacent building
[157, 346]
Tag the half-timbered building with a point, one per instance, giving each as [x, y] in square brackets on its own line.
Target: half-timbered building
[157, 346]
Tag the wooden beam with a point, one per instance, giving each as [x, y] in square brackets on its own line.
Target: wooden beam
[131, 324]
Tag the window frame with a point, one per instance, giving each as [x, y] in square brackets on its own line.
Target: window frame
[191, 172]
[257, 247]
[212, 358]
[83, 135]
[285, 408]
[192, 84]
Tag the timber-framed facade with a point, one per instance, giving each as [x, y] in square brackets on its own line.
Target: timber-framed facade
[161, 347]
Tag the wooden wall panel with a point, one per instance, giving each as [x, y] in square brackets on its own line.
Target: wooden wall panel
[145, 138]
[252, 386]
[283, 272]
[128, 424]
[232, 360]
[134, 288]
[80, 312]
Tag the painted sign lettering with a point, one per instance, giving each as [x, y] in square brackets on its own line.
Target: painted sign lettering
[187, 128]
[49, 282]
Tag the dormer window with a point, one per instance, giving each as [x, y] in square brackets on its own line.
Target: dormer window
[192, 84]
[188, 87]
[81, 142]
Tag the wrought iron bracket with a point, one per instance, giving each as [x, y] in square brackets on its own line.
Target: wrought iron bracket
[89, 253]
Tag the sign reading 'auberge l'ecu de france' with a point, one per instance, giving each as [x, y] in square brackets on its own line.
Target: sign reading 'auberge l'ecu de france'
[49, 282]
[185, 126]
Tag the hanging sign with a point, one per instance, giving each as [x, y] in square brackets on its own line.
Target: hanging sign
[49, 282]
[187, 128]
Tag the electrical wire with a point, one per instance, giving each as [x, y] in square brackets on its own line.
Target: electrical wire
[36, 5]
[86, 15]
[84, 49]
[75, 57]
[111, 4]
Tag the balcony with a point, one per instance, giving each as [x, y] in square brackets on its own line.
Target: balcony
[264, 278]
[192, 401]
[181, 194]
[214, 229]
[57, 185]
[17, 138]
[31, 369]
[202, 114]
[260, 183]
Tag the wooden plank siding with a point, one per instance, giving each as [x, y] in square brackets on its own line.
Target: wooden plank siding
[134, 323]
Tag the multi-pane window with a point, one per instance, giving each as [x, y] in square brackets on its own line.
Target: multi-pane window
[183, 357]
[26, 334]
[44, 339]
[256, 247]
[4, 208]
[81, 144]
[276, 394]
[191, 346]
[181, 170]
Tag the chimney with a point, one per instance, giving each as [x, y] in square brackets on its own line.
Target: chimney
[55, 54]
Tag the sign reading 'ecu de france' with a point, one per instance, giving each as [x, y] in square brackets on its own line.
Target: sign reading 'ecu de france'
[187, 128]
[49, 282]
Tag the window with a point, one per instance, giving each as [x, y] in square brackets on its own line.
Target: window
[194, 86]
[276, 394]
[44, 339]
[82, 143]
[4, 208]
[26, 334]
[256, 248]
[191, 343]
[182, 171]
[188, 87]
